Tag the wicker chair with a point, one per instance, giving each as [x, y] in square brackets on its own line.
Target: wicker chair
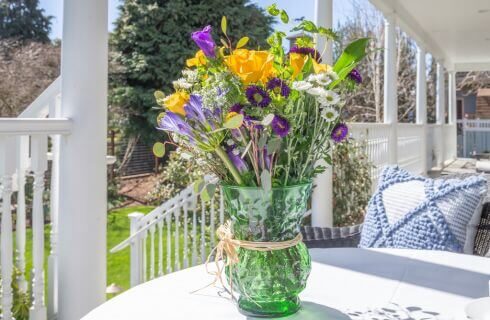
[316, 237]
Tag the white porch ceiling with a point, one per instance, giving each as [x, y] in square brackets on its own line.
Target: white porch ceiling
[457, 31]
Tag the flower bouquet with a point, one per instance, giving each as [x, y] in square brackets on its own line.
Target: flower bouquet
[262, 121]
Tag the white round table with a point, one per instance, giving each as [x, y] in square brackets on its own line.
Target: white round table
[343, 281]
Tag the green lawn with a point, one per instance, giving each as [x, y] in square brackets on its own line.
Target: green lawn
[118, 264]
[117, 231]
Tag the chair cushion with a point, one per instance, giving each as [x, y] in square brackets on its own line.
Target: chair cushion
[409, 211]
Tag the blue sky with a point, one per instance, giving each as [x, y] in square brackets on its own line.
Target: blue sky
[295, 8]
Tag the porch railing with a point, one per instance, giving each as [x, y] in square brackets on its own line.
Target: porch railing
[26, 145]
[181, 232]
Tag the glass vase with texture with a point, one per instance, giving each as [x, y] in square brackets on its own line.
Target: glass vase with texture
[268, 282]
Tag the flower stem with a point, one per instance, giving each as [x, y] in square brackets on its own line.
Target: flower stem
[226, 160]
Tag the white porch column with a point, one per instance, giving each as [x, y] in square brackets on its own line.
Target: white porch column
[421, 103]
[322, 199]
[83, 180]
[452, 116]
[440, 116]
[390, 86]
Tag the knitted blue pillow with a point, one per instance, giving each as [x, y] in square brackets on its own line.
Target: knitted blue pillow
[408, 211]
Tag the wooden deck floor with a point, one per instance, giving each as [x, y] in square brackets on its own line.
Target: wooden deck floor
[458, 166]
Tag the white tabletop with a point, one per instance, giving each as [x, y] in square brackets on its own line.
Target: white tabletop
[342, 281]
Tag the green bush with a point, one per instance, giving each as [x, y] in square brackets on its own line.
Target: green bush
[351, 182]
[179, 172]
[22, 301]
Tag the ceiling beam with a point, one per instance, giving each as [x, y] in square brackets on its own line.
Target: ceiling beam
[410, 26]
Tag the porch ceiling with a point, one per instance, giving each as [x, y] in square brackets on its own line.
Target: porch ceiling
[453, 30]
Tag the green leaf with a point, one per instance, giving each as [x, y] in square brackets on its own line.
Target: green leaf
[159, 149]
[284, 16]
[234, 122]
[262, 141]
[328, 33]
[266, 180]
[306, 25]
[208, 192]
[350, 57]
[159, 97]
[198, 185]
[272, 10]
[273, 145]
[268, 119]
[242, 42]
[223, 24]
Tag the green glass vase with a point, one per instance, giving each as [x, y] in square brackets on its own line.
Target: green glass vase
[268, 282]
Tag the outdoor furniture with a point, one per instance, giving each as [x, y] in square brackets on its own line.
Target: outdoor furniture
[343, 280]
[337, 237]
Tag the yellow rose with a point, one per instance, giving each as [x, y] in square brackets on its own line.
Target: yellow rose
[176, 102]
[297, 62]
[198, 60]
[250, 65]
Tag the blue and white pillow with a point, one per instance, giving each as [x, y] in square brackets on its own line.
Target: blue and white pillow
[408, 211]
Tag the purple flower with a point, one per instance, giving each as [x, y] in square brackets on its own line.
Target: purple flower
[257, 96]
[355, 76]
[205, 41]
[238, 108]
[306, 50]
[278, 86]
[193, 109]
[234, 156]
[173, 122]
[339, 132]
[280, 126]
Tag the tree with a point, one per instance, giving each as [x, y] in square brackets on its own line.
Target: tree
[24, 20]
[152, 41]
[26, 69]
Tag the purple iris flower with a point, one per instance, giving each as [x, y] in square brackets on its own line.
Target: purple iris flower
[205, 41]
[356, 76]
[173, 122]
[193, 109]
[234, 156]
[339, 132]
[257, 96]
[306, 50]
[280, 126]
[278, 86]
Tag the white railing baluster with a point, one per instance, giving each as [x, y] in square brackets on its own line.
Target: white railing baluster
[186, 249]
[152, 252]
[136, 252]
[20, 226]
[160, 247]
[39, 165]
[7, 169]
[52, 292]
[203, 231]
[194, 230]
[169, 243]
[145, 266]
[176, 234]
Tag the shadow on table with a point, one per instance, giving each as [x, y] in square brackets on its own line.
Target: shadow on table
[314, 311]
[422, 273]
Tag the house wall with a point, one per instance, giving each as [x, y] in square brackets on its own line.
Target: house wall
[469, 103]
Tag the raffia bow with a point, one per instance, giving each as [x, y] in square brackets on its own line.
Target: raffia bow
[227, 250]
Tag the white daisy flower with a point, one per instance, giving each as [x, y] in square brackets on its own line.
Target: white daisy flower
[301, 85]
[181, 84]
[317, 91]
[332, 75]
[329, 99]
[230, 142]
[330, 114]
[322, 79]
